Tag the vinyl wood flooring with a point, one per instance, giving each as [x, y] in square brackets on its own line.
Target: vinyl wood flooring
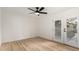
[35, 44]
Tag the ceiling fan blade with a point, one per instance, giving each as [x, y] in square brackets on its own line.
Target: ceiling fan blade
[37, 8]
[43, 12]
[41, 8]
[31, 9]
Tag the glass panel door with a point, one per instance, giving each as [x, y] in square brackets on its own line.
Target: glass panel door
[58, 29]
[71, 33]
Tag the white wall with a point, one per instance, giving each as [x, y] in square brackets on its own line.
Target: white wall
[46, 21]
[0, 26]
[17, 24]
[46, 27]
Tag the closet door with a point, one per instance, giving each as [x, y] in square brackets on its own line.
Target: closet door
[70, 32]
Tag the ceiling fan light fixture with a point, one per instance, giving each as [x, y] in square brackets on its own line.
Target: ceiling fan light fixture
[37, 13]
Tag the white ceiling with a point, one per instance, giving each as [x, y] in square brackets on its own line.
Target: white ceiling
[24, 10]
[55, 10]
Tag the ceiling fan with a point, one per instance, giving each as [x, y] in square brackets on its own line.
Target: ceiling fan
[38, 10]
